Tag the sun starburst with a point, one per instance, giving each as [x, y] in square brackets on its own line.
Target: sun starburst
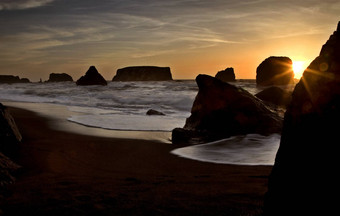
[298, 68]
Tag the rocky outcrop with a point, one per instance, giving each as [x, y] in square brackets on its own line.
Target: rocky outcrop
[154, 112]
[9, 132]
[143, 73]
[275, 71]
[60, 77]
[9, 79]
[9, 139]
[7, 171]
[304, 178]
[275, 95]
[226, 75]
[221, 110]
[92, 77]
[24, 80]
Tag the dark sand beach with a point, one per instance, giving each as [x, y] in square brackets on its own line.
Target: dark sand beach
[71, 174]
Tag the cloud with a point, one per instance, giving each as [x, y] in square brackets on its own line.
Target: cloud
[157, 28]
[22, 4]
[144, 30]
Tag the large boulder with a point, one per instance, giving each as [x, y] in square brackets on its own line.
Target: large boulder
[226, 75]
[92, 77]
[7, 171]
[221, 110]
[275, 71]
[9, 140]
[304, 179]
[275, 95]
[9, 132]
[143, 73]
[60, 77]
[9, 79]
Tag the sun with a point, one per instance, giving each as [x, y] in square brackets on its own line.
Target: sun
[298, 68]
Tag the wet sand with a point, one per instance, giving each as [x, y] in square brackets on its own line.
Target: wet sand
[68, 173]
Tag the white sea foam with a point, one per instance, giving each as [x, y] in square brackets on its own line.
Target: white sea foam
[250, 149]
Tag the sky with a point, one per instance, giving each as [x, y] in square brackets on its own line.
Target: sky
[39, 37]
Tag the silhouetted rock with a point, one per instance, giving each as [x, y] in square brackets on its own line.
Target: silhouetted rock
[275, 95]
[154, 112]
[24, 80]
[7, 169]
[9, 132]
[304, 179]
[92, 77]
[12, 79]
[221, 110]
[9, 140]
[275, 71]
[143, 73]
[226, 75]
[60, 77]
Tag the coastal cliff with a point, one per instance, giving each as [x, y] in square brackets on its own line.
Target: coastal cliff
[304, 175]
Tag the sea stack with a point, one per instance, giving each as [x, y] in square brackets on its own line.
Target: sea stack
[143, 73]
[92, 77]
[305, 179]
[221, 110]
[275, 71]
[9, 79]
[60, 77]
[227, 75]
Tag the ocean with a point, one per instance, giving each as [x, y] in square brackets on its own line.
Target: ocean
[122, 106]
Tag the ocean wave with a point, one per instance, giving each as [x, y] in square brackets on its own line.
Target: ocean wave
[169, 96]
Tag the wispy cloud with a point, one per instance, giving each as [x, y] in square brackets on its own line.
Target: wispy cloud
[22, 4]
[139, 30]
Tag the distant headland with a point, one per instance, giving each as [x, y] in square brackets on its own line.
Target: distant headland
[12, 79]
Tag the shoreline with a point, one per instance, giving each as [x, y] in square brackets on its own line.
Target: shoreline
[59, 119]
[59, 114]
[72, 174]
